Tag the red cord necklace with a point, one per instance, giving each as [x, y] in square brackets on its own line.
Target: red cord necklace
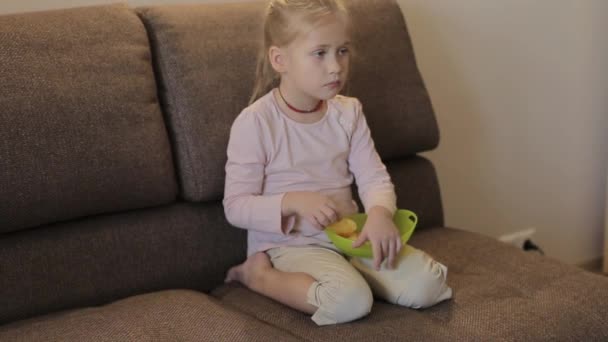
[317, 107]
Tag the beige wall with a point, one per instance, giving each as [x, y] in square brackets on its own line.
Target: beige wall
[519, 88]
[605, 268]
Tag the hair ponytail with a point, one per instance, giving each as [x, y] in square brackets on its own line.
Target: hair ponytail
[265, 76]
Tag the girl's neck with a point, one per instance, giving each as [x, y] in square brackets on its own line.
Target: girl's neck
[297, 110]
[285, 99]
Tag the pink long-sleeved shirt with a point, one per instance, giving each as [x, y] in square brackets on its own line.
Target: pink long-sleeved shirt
[270, 154]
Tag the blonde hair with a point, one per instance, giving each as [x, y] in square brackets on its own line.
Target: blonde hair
[280, 29]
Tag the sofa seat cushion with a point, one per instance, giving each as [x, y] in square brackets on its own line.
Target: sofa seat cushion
[173, 315]
[500, 293]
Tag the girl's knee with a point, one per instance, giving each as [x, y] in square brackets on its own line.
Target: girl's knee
[341, 304]
[428, 289]
[355, 302]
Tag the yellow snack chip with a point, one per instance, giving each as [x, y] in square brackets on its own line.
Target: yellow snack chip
[354, 236]
[345, 227]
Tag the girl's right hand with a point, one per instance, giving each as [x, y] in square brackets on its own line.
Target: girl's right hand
[314, 207]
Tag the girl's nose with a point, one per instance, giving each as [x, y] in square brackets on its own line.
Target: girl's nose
[334, 66]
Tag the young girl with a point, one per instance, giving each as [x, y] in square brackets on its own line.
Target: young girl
[292, 157]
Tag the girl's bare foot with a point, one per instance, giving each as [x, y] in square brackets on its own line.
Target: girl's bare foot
[251, 271]
[289, 288]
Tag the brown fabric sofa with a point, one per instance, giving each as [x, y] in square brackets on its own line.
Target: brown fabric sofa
[113, 128]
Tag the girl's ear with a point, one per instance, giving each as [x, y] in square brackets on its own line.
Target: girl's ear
[278, 59]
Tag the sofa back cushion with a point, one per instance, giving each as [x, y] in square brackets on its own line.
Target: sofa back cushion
[206, 57]
[81, 130]
[100, 259]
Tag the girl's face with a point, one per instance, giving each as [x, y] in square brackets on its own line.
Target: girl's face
[316, 62]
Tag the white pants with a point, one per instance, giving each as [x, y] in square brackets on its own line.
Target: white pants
[342, 291]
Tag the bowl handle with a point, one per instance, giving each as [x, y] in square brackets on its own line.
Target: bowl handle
[413, 218]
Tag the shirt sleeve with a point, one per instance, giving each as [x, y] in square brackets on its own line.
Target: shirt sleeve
[372, 178]
[244, 205]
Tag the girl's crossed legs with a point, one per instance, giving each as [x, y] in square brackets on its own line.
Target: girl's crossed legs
[322, 282]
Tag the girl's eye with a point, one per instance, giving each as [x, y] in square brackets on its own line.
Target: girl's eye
[319, 53]
[343, 51]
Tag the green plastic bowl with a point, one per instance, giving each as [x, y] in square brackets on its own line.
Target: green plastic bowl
[405, 221]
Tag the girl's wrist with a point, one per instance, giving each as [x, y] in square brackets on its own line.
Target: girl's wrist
[379, 211]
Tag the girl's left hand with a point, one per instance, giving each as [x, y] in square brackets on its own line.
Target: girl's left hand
[381, 231]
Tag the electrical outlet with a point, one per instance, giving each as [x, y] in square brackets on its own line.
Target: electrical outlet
[517, 239]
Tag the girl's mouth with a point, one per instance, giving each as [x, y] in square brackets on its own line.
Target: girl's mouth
[333, 84]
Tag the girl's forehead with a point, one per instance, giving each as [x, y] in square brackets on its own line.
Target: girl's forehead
[327, 31]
